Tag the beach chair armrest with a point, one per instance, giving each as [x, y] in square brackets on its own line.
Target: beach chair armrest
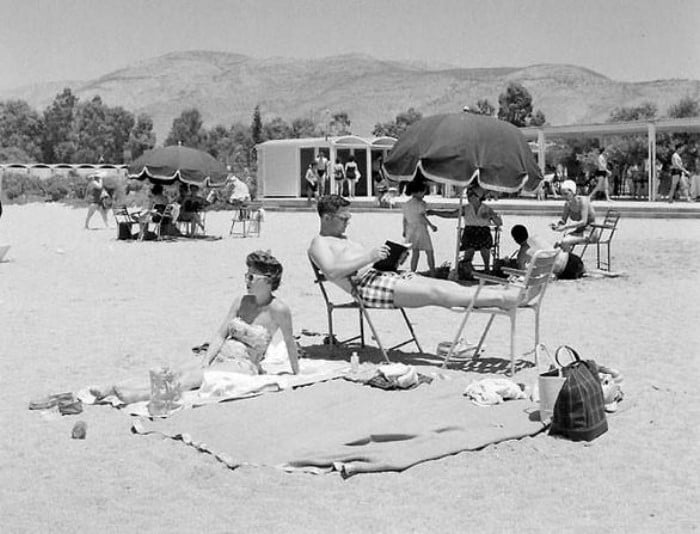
[490, 278]
[513, 272]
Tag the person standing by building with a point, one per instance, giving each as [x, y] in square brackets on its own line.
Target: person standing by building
[97, 197]
[602, 175]
[352, 174]
[323, 178]
[338, 177]
[679, 175]
[312, 182]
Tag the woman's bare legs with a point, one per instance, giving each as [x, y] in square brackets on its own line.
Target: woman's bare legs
[139, 389]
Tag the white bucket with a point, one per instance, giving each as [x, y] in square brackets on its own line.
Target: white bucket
[549, 387]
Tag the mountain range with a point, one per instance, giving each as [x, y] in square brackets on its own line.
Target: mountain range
[225, 88]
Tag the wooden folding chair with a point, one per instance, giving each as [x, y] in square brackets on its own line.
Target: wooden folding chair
[530, 286]
[357, 304]
[249, 217]
[126, 221]
[160, 216]
[601, 235]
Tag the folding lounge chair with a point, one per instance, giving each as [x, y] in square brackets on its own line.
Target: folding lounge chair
[527, 289]
[363, 315]
[601, 235]
[126, 222]
[249, 217]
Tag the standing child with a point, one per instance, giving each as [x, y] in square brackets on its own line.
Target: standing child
[416, 223]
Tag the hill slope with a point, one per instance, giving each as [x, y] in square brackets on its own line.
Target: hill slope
[225, 87]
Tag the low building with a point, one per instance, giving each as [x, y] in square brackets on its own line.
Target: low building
[282, 163]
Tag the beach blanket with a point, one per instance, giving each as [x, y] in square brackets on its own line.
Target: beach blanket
[348, 427]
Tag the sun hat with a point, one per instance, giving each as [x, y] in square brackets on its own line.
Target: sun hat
[569, 185]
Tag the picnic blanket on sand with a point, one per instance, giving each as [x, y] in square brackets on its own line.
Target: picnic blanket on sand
[348, 427]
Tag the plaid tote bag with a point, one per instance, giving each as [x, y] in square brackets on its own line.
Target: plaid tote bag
[579, 411]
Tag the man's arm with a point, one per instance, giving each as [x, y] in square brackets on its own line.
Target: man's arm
[335, 265]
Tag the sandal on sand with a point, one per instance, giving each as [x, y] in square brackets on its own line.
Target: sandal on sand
[70, 406]
[51, 401]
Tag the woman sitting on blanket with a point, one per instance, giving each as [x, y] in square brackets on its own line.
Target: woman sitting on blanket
[240, 343]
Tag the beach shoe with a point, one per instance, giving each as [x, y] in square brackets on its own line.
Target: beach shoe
[461, 352]
[70, 406]
[51, 401]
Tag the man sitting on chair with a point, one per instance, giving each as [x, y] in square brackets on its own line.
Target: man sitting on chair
[339, 258]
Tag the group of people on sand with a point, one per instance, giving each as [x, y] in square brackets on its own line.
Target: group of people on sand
[575, 224]
[241, 341]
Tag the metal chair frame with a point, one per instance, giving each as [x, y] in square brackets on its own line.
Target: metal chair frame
[363, 315]
[603, 237]
[532, 285]
[249, 217]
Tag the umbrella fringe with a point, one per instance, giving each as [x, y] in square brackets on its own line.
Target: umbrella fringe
[451, 181]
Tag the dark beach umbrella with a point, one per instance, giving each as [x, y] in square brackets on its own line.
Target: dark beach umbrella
[462, 149]
[178, 163]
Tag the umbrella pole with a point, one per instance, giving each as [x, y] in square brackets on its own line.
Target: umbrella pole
[454, 274]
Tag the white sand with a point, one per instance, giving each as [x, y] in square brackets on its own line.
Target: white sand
[78, 307]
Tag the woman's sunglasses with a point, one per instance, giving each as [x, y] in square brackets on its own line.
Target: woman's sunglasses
[252, 277]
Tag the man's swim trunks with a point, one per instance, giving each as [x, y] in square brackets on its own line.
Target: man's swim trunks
[376, 288]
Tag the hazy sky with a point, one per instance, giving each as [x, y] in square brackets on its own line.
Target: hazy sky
[56, 40]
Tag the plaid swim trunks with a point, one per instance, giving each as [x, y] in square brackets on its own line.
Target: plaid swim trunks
[376, 288]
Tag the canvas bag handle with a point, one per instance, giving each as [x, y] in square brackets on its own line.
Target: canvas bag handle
[572, 353]
[542, 350]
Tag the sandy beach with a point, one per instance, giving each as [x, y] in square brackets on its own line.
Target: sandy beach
[79, 307]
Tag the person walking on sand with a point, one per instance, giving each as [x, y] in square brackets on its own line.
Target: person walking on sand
[415, 225]
[678, 175]
[98, 199]
[602, 175]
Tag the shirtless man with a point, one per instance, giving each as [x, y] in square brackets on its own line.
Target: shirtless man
[339, 258]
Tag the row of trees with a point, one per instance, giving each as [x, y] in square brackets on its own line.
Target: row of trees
[72, 131]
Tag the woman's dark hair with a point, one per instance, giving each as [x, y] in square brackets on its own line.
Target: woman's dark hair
[265, 263]
[157, 189]
[416, 186]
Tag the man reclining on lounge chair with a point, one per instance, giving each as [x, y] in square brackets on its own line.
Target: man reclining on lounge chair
[339, 258]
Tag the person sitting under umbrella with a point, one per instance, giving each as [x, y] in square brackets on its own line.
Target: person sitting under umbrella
[339, 259]
[478, 218]
[240, 343]
[191, 205]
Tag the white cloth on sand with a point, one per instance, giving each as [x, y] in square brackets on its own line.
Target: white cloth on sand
[490, 391]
